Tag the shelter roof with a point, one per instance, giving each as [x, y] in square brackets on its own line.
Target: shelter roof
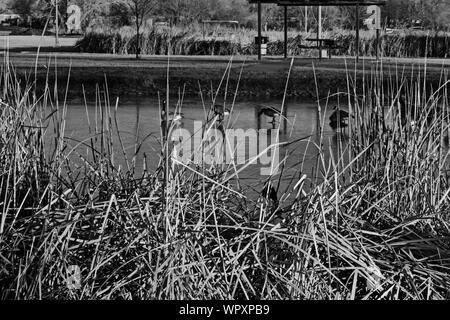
[322, 2]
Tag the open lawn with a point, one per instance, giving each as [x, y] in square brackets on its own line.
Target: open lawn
[147, 75]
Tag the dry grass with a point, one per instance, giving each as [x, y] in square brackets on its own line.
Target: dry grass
[371, 224]
[221, 41]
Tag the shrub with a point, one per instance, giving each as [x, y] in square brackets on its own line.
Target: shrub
[191, 42]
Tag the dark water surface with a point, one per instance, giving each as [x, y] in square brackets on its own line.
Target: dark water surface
[139, 123]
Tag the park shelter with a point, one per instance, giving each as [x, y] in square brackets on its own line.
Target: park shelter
[287, 3]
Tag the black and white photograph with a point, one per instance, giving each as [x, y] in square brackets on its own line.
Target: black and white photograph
[237, 151]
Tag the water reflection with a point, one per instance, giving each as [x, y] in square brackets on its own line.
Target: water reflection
[139, 127]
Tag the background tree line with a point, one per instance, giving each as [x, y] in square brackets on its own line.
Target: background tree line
[430, 14]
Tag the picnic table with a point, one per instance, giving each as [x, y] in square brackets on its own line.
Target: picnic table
[329, 44]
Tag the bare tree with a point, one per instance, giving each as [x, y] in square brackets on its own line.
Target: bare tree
[184, 10]
[140, 10]
[434, 13]
[22, 7]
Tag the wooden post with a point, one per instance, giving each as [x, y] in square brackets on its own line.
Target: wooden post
[319, 32]
[258, 117]
[203, 29]
[357, 33]
[378, 45]
[259, 31]
[285, 32]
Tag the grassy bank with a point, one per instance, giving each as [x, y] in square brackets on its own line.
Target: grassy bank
[229, 42]
[127, 76]
[374, 227]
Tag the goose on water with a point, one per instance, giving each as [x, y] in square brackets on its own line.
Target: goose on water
[269, 193]
[221, 111]
[269, 112]
[339, 118]
[173, 119]
[177, 117]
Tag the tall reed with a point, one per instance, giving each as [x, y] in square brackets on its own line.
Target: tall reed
[192, 41]
[372, 224]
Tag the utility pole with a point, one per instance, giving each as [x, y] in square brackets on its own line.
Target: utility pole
[319, 32]
[285, 31]
[259, 31]
[357, 33]
[306, 19]
[57, 24]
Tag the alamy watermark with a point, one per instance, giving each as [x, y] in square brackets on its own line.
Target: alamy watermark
[214, 145]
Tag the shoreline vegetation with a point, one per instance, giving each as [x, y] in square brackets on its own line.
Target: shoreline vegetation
[111, 50]
[127, 76]
[192, 41]
[374, 227]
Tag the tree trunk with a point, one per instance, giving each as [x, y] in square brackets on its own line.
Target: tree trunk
[138, 46]
[138, 31]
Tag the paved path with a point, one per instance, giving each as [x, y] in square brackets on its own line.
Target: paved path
[269, 64]
[17, 43]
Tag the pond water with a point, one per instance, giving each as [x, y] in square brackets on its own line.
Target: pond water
[138, 122]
